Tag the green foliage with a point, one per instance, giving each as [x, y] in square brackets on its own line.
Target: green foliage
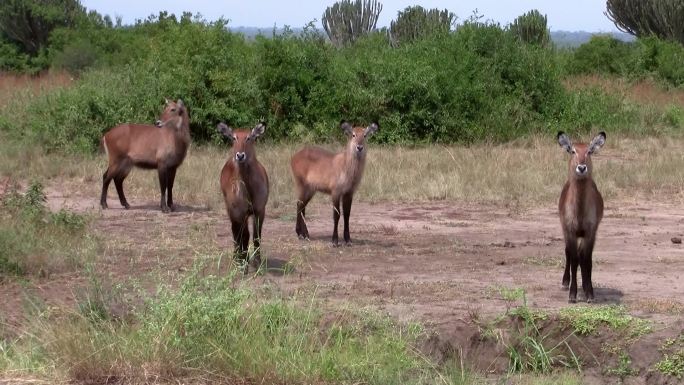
[417, 22]
[649, 56]
[34, 240]
[531, 28]
[28, 23]
[672, 363]
[586, 320]
[348, 20]
[76, 57]
[643, 18]
[603, 54]
[624, 367]
[476, 83]
[219, 327]
[661, 59]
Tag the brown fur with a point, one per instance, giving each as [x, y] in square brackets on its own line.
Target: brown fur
[245, 190]
[318, 170]
[581, 210]
[162, 147]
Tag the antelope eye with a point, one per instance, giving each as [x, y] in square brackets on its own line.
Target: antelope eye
[353, 135]
[173, 110]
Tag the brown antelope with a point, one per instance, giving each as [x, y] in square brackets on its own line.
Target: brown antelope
[315, 169]
[162, 147]
[244, 183]
[581, 210]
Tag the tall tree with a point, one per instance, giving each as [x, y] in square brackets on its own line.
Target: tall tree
[416, 22]
[662, 18]
[28, 23]
[347, 20]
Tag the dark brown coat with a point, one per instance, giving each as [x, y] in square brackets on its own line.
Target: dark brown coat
[581, 209]
[244, 183]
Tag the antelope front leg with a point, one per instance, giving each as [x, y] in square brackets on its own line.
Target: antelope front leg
[346, 206]
[163, 183]
[336, 220]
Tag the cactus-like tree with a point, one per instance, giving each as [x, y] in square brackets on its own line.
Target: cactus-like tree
[347, 20]
[531, 27]
[416, 22]
[662, 18]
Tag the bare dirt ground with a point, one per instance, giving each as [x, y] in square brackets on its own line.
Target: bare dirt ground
[438, 263]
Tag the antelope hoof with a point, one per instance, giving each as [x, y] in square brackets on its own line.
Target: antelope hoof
[104, 205]
[172, 207]
[590, 300]
[572, 300]
[335, 244]
[126, 206]
[565, 286]
[348, 243]
[165, 209]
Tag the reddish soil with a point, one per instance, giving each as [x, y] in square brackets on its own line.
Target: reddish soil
[438, 263]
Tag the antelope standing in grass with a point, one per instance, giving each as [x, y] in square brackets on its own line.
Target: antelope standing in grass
[581, 210]
[315, 169]
[162, 147]
[244, 183]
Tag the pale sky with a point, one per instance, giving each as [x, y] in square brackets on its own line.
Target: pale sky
[575, 15]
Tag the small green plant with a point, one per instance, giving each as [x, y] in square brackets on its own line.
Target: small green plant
[672, 363]
[586, 320]
[624, 367]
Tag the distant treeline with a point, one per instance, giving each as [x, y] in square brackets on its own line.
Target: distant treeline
[470, 81]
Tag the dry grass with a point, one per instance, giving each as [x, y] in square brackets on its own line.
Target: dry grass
[519, 174]
[13, 87]
[646, 92]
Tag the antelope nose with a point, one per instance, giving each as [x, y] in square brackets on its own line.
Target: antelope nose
[582, 168]
[240, 156]
[359, 148]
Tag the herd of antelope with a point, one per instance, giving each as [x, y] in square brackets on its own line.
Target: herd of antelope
[245, 186]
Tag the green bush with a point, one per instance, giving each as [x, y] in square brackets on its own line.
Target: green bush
[603, 54]
[477, 83]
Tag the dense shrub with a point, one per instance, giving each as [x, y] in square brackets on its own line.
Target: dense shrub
[650, 56]
[603, 54]
[476, 83]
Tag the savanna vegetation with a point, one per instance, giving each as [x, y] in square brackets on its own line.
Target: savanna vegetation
[460, 96]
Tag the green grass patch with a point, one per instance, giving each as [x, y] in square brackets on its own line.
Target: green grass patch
[586, 320]
[672, 363]
[217, 327]
[34, 240]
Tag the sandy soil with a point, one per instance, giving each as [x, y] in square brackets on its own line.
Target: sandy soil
[438, 263]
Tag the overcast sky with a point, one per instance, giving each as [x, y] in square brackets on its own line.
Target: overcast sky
[575, 15]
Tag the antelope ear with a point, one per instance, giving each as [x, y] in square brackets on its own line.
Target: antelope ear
[370, 130]
[258, 130]
[346, 127]
[225, 130]
[166, 101]
[181, 106]
[564, 141]
[598, 142]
